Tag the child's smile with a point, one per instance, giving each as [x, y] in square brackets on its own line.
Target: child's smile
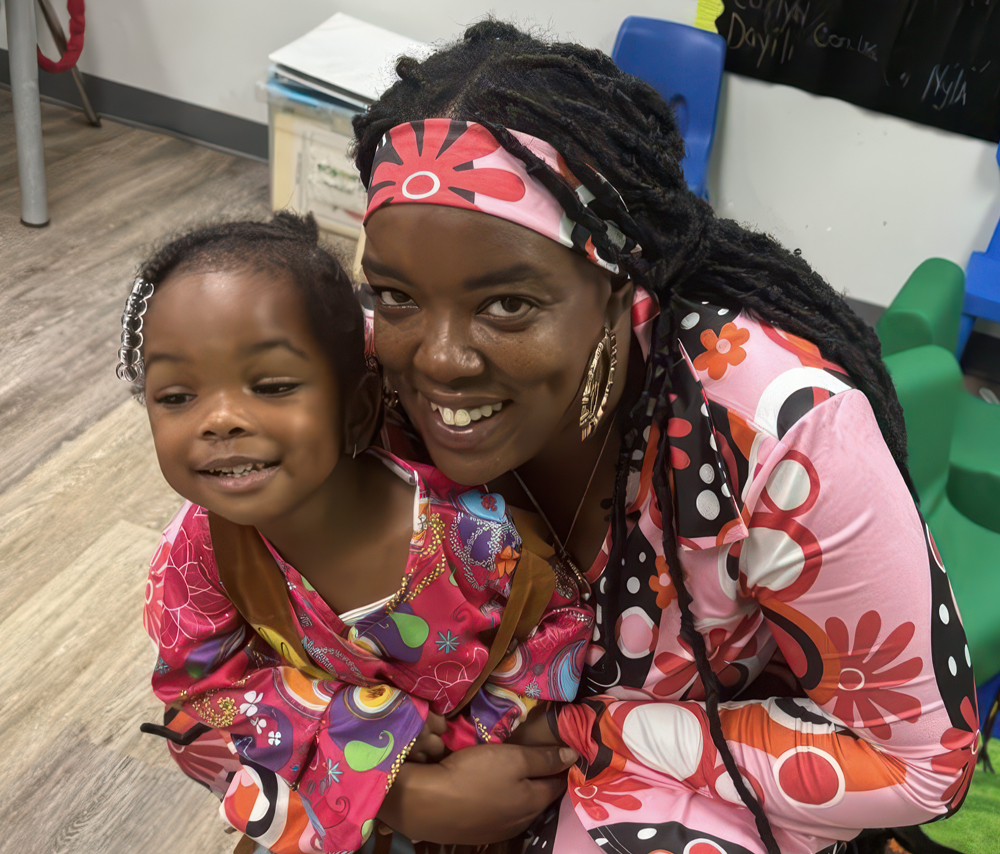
[239, 473]
[242, 401]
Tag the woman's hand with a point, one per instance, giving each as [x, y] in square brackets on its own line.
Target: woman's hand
[486, 793]
[539, 728]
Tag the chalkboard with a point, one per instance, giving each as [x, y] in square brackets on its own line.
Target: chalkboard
[931, 61]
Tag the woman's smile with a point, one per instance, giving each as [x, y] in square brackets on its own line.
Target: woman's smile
[460, 425]
[462, 416]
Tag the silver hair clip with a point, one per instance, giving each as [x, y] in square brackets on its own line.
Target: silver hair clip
[129, 367]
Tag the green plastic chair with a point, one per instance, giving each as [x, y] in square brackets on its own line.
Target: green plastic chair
[928, 381]
[928, 310]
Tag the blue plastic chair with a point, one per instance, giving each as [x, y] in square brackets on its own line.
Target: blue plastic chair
[982, 287]
[684, 65]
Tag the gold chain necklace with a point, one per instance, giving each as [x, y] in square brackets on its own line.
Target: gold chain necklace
[561, 551]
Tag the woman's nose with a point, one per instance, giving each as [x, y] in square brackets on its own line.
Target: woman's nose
[446, 352]
[225, 417]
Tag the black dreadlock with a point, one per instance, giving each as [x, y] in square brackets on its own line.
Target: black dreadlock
[599, 118]
[287, 245]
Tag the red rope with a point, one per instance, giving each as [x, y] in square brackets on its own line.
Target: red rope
[73, 46]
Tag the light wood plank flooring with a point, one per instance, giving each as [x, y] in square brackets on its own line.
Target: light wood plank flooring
[81, 498]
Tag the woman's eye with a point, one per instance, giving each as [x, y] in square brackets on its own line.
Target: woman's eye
[507, 308]
[274, 388]
[388, 298]
[178, 399]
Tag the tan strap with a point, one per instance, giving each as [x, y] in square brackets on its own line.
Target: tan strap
[257, 587]
[246, 845]
[530, 592]
[532, 530]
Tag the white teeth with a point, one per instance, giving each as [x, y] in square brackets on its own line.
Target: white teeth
[464, 417]
[241, 470]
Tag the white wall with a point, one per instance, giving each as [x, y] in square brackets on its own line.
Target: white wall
[865, 196]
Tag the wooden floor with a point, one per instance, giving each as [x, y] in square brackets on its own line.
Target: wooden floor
[81, 499]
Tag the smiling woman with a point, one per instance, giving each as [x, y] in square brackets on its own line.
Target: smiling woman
[532, 243]
[510, 322]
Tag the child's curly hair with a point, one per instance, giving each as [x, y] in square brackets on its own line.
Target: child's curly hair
[286, 245]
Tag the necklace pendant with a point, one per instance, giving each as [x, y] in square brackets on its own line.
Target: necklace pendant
[581, 580]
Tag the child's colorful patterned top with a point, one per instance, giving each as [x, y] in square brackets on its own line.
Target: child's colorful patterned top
[825, 608]
[309, 760]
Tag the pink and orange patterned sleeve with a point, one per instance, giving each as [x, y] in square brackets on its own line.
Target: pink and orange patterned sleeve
[838, 573]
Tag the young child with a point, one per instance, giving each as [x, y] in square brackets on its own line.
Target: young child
[313, 602]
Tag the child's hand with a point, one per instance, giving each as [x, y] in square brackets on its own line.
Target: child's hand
[539, 728]
[429, 747]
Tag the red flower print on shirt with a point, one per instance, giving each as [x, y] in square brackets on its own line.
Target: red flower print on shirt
[678, 428]
[609, 787]
[425, 161]
[489, 502]
[962, 746]
[722, 351]
[864, 680]
[678, 675]
[193, 607]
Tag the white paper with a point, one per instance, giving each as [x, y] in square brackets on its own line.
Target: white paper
[349, 54]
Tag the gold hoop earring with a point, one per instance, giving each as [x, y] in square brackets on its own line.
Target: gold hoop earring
[390, 397]
[597, 387]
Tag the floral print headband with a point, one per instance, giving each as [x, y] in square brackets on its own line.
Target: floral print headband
[462, 165]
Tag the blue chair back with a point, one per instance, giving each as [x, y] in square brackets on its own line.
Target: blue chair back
[982, 287]
[684, 64]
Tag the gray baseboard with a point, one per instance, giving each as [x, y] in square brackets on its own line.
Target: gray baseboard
[147, 109]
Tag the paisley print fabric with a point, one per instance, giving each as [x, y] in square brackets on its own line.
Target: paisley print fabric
[303, 764]
[826, 609]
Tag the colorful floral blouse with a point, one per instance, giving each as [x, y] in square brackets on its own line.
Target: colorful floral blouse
[826, 609]
[302, 763]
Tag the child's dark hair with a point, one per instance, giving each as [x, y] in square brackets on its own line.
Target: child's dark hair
[598, 117]
[287, 245]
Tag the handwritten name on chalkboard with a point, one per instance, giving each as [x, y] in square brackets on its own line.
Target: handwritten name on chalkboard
[932, 61]
[791, 20]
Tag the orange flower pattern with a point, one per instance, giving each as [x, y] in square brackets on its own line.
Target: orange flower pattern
[722, 351]
[661, 585]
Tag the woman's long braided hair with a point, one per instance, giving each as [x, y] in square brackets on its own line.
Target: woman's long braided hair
[598, 117]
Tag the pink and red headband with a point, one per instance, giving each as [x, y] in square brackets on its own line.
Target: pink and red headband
[460, 164]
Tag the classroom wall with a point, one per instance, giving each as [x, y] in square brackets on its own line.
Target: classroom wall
[865, 196]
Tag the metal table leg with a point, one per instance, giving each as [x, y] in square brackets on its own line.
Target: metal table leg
[21, 39]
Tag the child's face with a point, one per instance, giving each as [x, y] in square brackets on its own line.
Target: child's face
[242, 401]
